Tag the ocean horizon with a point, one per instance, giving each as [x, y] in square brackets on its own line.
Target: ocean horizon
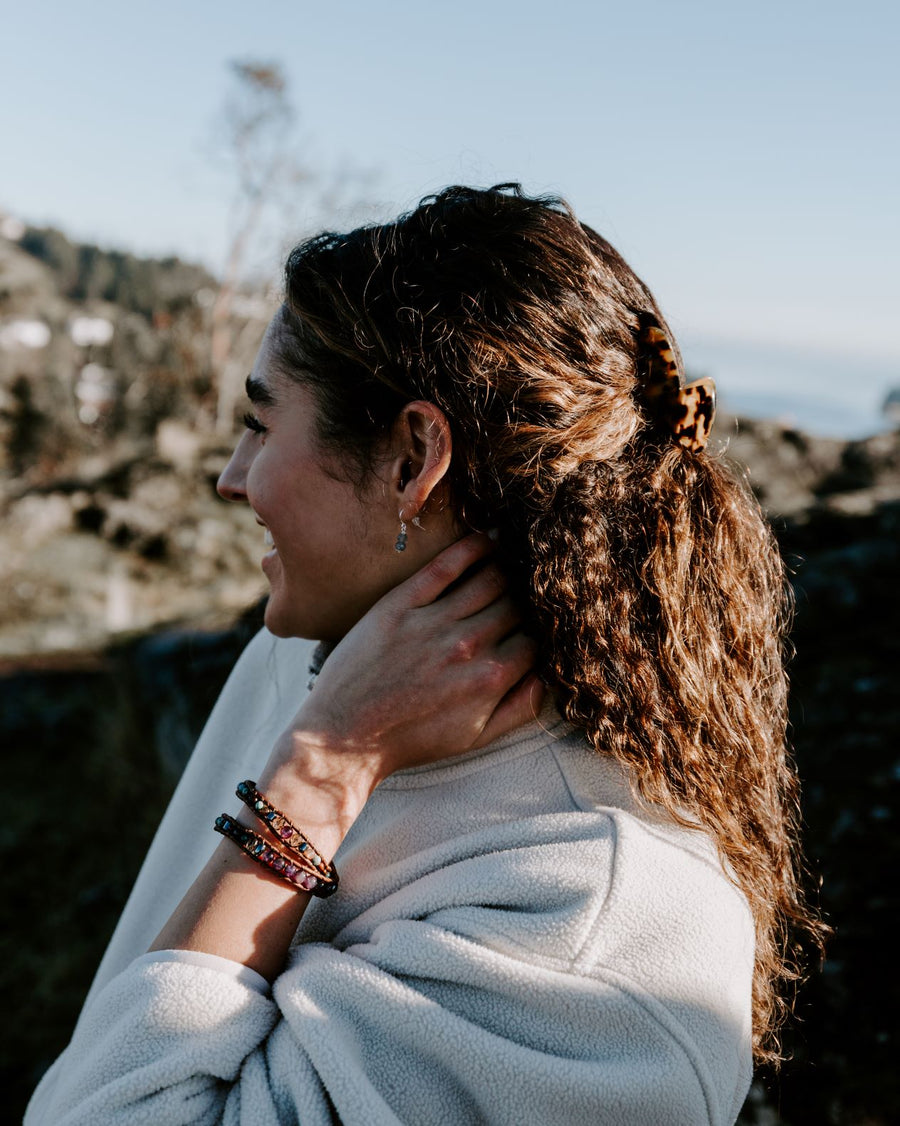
[829, 394]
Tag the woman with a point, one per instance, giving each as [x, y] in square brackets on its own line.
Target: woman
[555, 904]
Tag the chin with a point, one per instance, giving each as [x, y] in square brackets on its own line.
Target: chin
[281, 624]
[289, 623]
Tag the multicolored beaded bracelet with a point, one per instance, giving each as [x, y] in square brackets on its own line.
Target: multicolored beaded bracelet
[286, 832]
[273, 858]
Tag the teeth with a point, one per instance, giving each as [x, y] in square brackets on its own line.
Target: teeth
[267, 538]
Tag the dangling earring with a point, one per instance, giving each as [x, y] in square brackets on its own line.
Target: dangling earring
[400, 545]
[417, 523]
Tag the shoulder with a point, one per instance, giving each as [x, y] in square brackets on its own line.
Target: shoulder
[527, 883]
[268, 661]
[541, 842]
[666, 879]
[526, 889]
[674, 932]
[270, 677]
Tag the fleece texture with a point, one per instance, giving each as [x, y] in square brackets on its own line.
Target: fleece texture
[516, 939]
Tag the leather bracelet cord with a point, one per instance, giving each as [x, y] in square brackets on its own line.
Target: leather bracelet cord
[271, 857]
[284, 830]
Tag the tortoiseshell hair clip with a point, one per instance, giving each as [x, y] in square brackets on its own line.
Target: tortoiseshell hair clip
[687, 410]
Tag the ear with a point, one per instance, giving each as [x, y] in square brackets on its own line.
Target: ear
[421, 447]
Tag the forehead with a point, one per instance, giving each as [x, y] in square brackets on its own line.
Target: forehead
[266, 384]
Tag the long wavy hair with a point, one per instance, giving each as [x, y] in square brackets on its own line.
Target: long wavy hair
[651, 579]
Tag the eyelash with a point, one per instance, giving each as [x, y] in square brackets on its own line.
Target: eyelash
[253, 423]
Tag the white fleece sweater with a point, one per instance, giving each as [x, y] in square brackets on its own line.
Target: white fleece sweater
[515, 940]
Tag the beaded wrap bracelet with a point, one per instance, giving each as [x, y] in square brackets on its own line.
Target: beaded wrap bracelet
[286, 832]
[301, 865]
[271, 857]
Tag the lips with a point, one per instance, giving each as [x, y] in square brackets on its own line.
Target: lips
[267, 535]
[271, 552]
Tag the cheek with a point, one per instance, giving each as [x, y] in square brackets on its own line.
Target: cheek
[269, 487]
[256, 479]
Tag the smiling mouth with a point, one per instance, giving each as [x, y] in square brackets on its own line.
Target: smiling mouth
[271, 549]
[267, 535]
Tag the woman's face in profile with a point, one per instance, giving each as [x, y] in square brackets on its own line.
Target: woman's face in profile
[331, 553]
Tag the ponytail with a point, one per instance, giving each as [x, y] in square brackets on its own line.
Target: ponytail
[662, 603]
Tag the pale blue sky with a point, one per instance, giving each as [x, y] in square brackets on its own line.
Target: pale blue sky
[744, 158]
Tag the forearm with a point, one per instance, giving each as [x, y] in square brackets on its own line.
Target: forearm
[237, 908]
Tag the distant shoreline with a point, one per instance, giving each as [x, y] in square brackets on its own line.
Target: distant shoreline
[819, 418]
[824, 394]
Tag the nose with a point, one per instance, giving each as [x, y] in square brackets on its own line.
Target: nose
[232, 483]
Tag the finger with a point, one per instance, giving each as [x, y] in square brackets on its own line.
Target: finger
[490, 640]
[522, 704]
[518, 653]
[499, 669]
[430, 582]
[492, 624]
[474, 592]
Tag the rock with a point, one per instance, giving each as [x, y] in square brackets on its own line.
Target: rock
[177, 444]
[783, 466]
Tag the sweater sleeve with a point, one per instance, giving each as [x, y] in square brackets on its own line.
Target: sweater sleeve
[262, 693]
[237, 970]
[463, 997]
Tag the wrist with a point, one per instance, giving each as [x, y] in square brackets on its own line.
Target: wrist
[321, 791]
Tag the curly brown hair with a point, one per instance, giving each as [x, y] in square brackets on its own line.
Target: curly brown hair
[652, 580]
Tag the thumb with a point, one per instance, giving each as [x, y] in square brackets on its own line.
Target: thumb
[521, 704]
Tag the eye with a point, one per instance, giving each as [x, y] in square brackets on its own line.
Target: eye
[253, 423]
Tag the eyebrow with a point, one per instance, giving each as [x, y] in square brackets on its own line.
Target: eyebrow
[258, 393]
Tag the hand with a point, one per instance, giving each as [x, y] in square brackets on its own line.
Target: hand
[431, 671]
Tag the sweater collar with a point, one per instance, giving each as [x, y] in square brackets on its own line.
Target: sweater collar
[547, 728]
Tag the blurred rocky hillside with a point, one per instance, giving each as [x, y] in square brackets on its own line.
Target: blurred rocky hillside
[124, 592]
[109, 451]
